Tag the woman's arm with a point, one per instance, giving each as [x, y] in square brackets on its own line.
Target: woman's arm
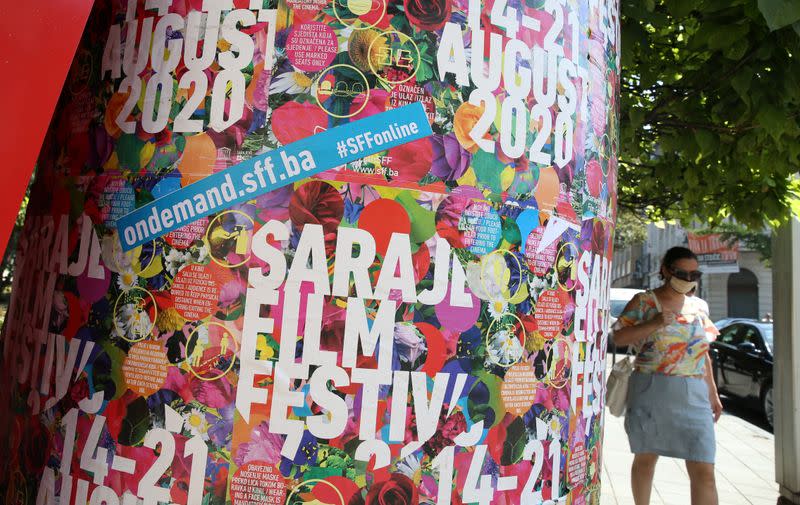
[713, 396]
[632, 334]
[632, 330]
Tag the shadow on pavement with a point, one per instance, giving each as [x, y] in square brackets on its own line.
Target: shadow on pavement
[745, 411]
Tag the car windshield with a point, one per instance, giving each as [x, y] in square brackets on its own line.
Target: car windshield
[617, 306]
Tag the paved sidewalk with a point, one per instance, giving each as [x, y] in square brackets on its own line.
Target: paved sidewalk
[745, 467]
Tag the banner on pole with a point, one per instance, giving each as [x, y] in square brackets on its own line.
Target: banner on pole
[715, 254]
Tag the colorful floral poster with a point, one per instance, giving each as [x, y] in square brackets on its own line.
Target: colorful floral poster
[423, 324]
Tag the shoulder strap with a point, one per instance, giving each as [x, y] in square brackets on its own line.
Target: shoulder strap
[655, 297]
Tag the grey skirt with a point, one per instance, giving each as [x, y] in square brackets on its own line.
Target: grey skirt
[670, 416]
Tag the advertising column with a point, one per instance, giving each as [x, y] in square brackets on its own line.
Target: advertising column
[319, 251]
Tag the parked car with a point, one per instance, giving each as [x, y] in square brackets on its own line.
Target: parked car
[619, 299]
[729, 321]
[742, 358]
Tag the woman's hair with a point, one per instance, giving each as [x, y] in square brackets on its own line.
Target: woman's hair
[674, 254]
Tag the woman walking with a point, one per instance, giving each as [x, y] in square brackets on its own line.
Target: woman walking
[672, 399]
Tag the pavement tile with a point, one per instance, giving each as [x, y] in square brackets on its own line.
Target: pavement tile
[763, 501]
[757, 492]
[676, 499]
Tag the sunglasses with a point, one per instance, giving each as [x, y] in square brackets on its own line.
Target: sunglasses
[683, 275]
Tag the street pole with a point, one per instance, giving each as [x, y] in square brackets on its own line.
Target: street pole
[786, 296]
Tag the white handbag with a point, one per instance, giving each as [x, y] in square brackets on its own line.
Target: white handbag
[618, 379]
[617, 386]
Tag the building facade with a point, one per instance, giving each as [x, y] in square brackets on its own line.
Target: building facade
[743, 293]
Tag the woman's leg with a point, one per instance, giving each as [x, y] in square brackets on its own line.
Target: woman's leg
[644, 466]
[704, 485]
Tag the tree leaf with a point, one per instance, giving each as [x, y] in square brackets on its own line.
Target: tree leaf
[736, 50]
[779, 13]
[772, 119]
[707, 141]
[741, 84]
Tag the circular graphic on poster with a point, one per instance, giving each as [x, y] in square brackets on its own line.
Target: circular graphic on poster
[257, 483]
[559, 357]
[311, 46]
[116, 200]
[549, 313]
[519, 388]
[394, 57]
[501, 275]
[469, 223]
[482, 227]
[505, 340]
[211, 351]
[81, 72]
[540, 262]
[186, 235]
[359, 14]
[135, 313]
[195, 292]
[342, 91]
[318, 491]
[145, 367]
[577, 465]
[230, 238]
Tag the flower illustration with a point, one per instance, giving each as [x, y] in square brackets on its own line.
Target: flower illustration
[132, 322]
[317, 202]
[174, 260]
[409, 342]
[450, 159]
[396, 490]
[262, 446]
[428, 14]
[126, 280]
[465, 119]
[366, 49]
[195, 422]
[292, 82]
[504, 348]
[286, 127]
[411, 467]
[497, 308]
[169, 320]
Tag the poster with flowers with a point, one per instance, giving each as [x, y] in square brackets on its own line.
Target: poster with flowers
[426, 324]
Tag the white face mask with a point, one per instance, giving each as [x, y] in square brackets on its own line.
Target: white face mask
[681, 286]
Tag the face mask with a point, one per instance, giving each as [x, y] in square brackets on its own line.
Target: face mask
[681, 286]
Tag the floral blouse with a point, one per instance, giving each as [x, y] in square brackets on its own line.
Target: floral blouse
[678, 349]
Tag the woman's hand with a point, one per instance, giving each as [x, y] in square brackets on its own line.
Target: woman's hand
[665, 318]
[716, 405]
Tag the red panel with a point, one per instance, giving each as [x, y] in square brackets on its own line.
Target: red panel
[37, 43]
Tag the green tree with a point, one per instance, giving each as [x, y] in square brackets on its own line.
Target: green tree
[631, 229]
[9, 258]
[710, 121]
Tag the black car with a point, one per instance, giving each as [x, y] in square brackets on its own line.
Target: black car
[742, 358]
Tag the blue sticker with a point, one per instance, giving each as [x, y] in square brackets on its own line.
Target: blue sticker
[269, 171]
